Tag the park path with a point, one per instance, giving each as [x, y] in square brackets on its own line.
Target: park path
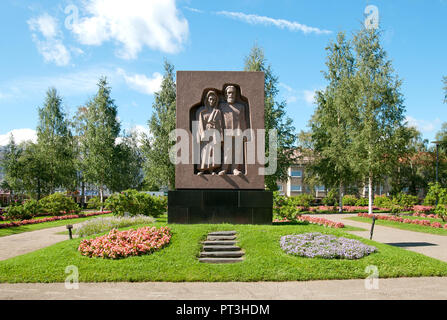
[431, 245]
[386, 289]
[21, 243]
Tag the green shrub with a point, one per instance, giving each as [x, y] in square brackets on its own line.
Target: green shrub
[32, 207]
[405, 200]
[349, 200]
[331, 198]
[136, 203]
[362, 202]
[435, 192]
[383, 202]
[302, 200]
[58, 204]
[16, 211]
[441, 211]
[278, 203]
[94, 203]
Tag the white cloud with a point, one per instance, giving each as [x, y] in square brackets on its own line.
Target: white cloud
[68, 84]
[20, 135]
[51, 46]
[267, 21]
[193, 10]
[309, 96]
[292, 95]
[134, 24]
[423, 126]
[142, 83]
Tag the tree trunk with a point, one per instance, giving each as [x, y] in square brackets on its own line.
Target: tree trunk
[370, 190]
[340, 198]
[101, 197]
[82, 194]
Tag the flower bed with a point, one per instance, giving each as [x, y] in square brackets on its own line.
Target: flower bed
[120, 244]
[321, 222]
[36, 221]
[426, 223]
[317, 245]
[423, 209]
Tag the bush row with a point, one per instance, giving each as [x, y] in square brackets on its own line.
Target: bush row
[55, 205]
[132, 203]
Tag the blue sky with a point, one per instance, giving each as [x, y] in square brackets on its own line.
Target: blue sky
[70, 44]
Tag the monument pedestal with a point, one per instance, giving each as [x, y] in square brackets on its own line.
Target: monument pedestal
[220, 206]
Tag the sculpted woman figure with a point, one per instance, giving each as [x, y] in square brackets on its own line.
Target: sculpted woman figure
[210, 134]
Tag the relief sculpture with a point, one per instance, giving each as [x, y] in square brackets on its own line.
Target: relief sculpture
[222, 113]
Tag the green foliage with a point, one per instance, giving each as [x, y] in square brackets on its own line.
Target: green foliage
[331, 198]
[441, 211]
[136, 203]
[275, 118]
[159, 170]
[405, 200]
[32, 207]
[349, 200]
[383, 202]
[362, 202]
[100, 129]
[331, 128]
[94, 203]
[16, 211]
[290, 207]
[435, 194]
[55, 144]
[11, 167]
[278, 202]
[58, 204]
[303, 200]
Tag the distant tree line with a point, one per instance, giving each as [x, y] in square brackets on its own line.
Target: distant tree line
[358, 134]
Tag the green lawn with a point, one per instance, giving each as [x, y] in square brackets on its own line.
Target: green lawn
[264, 260]
[407, 226]
[44, 225]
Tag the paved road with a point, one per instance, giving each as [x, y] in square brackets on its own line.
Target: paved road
[388, 289]
[18, 244]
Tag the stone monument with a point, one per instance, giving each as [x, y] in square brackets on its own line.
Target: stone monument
[222, 115]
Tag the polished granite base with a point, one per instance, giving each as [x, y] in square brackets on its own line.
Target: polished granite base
[220, 206]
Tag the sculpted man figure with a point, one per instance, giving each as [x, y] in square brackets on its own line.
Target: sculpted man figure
[234, 119]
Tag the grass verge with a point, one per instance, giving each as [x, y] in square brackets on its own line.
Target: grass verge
[406, 226]
[264, 260]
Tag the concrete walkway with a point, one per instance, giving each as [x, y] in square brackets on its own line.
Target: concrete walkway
[387, 289]
[21, 243]
[431, 245]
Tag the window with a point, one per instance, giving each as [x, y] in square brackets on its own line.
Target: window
[320, 188]
[296, 173]
[279, 187]
[295, 188]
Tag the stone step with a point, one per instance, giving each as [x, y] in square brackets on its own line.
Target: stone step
[218, 243]
[221, 248]
[222, 233]
[220, 260]
[212, 238]
[221, 254]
